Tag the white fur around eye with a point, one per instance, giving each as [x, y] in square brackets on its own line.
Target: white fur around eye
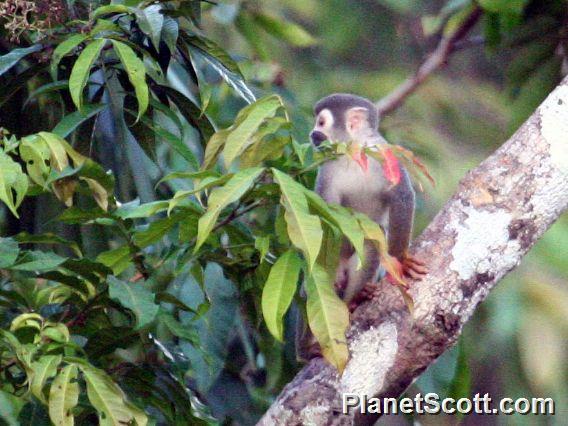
[327, 117]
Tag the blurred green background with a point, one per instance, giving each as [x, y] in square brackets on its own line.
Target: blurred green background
[516, 343]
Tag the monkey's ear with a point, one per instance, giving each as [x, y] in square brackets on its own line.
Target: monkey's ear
[357, 118]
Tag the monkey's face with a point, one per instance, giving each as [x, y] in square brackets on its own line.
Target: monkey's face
[341, 125]
[323, 127]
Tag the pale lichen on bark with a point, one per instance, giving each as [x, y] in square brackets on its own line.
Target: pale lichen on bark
[499, 211]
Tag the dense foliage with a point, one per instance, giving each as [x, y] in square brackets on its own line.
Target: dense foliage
[159, 216]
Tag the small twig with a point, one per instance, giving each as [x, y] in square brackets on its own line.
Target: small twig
[436, 60]
[236, 214]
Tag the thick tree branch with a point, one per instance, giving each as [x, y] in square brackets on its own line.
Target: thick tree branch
[437, 59]
[498, 212]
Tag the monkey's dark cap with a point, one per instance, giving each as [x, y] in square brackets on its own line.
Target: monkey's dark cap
[338, 103]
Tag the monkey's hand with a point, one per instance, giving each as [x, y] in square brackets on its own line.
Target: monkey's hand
[408, 267]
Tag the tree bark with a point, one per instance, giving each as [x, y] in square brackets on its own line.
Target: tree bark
[499, 211]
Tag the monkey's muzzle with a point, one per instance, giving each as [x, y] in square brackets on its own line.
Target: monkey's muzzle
[317, 137]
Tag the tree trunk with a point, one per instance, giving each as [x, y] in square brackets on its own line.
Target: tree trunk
[499, 211]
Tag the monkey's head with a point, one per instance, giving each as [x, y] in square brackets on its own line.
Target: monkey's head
[343, 117]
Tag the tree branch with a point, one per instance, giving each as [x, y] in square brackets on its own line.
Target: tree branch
[436, 60]
[498, 212]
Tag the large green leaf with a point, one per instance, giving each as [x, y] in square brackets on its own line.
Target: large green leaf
[151, 22]
[63, 49]
[82, 69]
[279, 290]
[328, 317]
[109, 400]
[13, 183]
[43, 369]
[342, 219]
[267, 143]
[135, 297]
[304, 229]
[71, 121]
[221, 62]
[214, 147]
[10, 59]
[64, 396]
[221, 197]
[247, 123]
[110, 9]
[136, 72]
[38, 261]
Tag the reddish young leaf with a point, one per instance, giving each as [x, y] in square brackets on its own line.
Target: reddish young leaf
[391, 167]
[415, 161]
[362, 159]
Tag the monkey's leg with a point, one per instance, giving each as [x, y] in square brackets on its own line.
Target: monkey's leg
[357, 279]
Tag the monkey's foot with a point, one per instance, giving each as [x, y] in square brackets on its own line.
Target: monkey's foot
[410, 267]
[366, 293]
[413, 268]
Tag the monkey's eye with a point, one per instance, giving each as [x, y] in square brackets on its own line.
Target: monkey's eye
[321, 122]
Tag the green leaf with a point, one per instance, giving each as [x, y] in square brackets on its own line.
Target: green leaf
[10, 407]
[64, 396]
[136, 74]
[221, 62]
[328, 317]
[460, 387]
[190, 112]
[304, 229]
[63, 49]
[285, 30]
[38, 261]
[246, 124]
[110, 9]
[267, 143]
[117, 259]
[70, 122]
[44, 369]
[151, 22]
[13, 183]
[82, 69]
[279, 290]
[135, 297]
[109, 400]
[46, 238]
[342, 219]
[47, 88]
[221, 197]
[10, 59]
[9, 251]
[504, 6]
[35, 152]
[136, 211]
[157, 229]
[170, 33]
[214, 148]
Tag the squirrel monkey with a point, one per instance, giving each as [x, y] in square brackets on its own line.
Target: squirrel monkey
[350, 118]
